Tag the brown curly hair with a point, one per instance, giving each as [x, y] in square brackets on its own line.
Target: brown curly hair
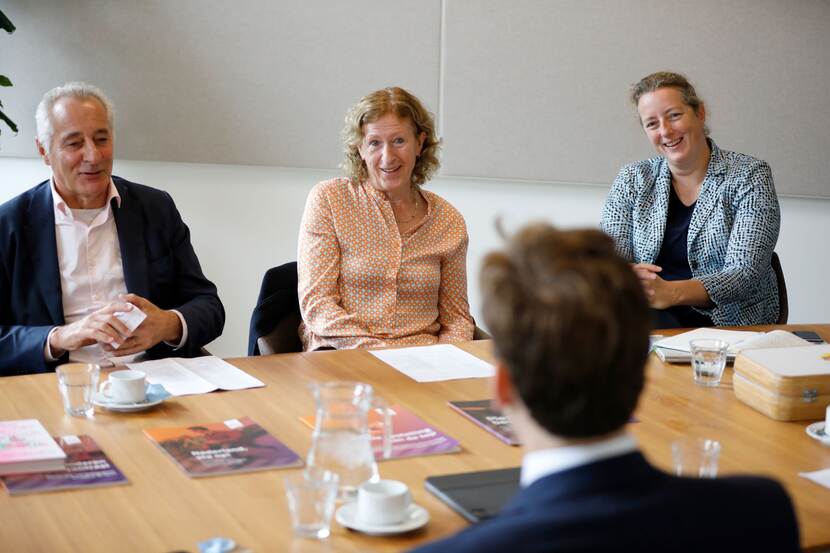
[570, 321]
[377, 104]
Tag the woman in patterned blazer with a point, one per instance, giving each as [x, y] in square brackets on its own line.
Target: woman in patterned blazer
[699, 224]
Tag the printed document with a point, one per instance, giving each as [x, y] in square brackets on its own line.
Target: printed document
[435, 363]
[198, 375]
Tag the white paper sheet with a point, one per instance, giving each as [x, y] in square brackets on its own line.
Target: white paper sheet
[199, 375]
[821, 477]
[221, 373]
[132, 318]
[774, 339]
[435, 363]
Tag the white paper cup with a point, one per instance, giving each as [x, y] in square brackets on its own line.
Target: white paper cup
[383, 502]
[125, 387]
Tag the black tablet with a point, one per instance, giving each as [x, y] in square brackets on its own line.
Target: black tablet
[476, 495]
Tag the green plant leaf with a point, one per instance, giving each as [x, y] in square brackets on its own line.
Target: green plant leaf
[5, 24]
[9, 122]
[5, 81]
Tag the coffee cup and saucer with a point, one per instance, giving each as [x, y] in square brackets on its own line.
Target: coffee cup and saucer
[821, 430]
[127, 391]
[382, 508]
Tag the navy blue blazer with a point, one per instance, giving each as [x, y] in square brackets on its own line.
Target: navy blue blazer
[159, 264]
[624, 504]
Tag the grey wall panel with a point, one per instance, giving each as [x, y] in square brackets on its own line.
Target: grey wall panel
[530, 89]
[536, 89]
[249, 82]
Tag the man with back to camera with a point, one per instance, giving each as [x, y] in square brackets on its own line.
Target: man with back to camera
[84, 250]
[570, 330]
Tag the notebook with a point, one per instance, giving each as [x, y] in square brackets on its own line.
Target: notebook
[673, 350]
[476, 496]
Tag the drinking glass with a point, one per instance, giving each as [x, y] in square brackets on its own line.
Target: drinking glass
[696, 457]
[708, 361]
[77, 382]
[311, 498]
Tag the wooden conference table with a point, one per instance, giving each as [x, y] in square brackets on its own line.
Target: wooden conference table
[164, 510]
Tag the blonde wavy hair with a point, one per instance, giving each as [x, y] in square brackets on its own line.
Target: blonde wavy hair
[668, 79]
[372, 107]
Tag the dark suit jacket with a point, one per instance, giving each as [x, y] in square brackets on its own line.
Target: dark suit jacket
[624, 504]
[159, 264]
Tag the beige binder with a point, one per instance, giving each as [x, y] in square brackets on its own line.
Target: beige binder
[791, 383]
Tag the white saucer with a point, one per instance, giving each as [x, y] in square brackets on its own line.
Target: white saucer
[155, 395]
[817, 431]
[416, 517]
[99, 401]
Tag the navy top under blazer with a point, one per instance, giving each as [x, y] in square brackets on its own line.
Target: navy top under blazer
[159, 265]
[624, 504]
[732, 232]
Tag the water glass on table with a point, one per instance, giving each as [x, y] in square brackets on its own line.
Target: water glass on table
[708, 361]
[77, 382]
[696, 457]
[311, 497]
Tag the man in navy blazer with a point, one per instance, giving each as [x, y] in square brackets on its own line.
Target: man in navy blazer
[83, 248]
[570, 328]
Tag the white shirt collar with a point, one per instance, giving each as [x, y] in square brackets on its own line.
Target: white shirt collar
[63, 213]
[543, 462]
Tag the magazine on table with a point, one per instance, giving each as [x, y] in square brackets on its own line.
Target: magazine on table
[87, 466]
[411, 435]
[482, 412]
[235, 445]
[26, 446]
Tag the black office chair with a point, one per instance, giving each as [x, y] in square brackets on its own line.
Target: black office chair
[783, 304]
[276, 317]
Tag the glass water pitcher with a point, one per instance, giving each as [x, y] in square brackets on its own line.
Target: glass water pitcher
[347, 414]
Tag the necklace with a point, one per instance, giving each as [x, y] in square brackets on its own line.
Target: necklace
[411, 215]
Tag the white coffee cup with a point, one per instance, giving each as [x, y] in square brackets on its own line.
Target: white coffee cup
[384, 502]
[125, 387]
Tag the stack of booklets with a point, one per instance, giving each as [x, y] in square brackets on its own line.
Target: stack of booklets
[25, 446]
[235, 445]
[482, 412]
[411, 435]
[86, 467]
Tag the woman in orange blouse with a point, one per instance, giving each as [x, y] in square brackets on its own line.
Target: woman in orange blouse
[381, 261]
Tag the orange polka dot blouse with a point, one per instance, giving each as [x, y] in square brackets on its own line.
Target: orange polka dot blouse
[363, 284]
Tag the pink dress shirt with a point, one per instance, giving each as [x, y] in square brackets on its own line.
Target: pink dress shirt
[363, 284]
[92, 275]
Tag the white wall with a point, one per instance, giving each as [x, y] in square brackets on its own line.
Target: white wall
[244, 219]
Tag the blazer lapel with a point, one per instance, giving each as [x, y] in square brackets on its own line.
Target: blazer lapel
[708, 196]
[659, 214]
[130, 227]
[42, 245]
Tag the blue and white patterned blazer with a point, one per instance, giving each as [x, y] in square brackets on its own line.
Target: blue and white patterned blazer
[732, 233]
